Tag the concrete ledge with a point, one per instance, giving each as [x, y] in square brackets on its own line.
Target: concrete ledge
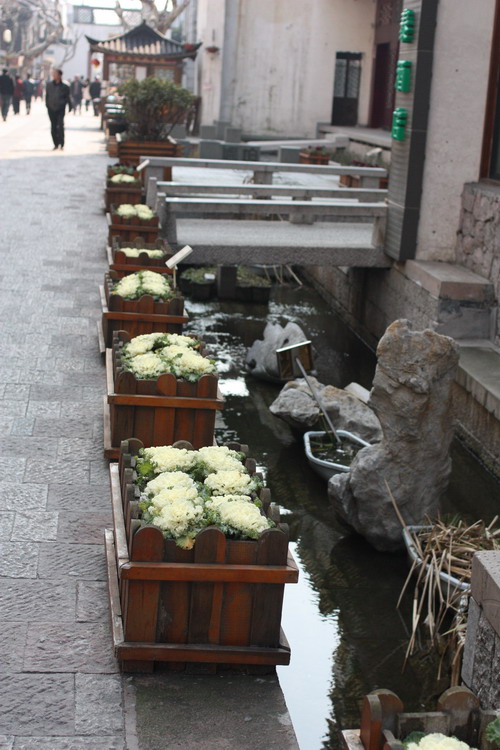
[322, 244]
[485, 587]
[479, 374]
[449, 281]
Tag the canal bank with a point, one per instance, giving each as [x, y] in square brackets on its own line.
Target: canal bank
[347, 637]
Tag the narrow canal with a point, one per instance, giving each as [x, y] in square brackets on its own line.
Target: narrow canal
[347, 637]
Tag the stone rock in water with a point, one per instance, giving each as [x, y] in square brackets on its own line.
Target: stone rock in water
[261, 359]
[411, 395]
[296, 406]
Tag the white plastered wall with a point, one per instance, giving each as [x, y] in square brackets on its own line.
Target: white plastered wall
[284, 68]
[456, 119]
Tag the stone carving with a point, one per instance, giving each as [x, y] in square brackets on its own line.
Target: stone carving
[411, 396]
[296, 406]
[261, 359]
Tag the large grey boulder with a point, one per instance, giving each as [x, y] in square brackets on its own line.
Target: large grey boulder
[296, 406]
[261, 359]
[411, 396]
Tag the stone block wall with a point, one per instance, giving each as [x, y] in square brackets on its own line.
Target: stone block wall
[478, 239]
[481, 661]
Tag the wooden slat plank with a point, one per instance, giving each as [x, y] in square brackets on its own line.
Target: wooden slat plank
[175, 600]
[113, 590]
[238, 597]
[203, 653]
[204, 419]
[178, 402]
[206, 598]
[210, 572]
[150, 317]
[268, 598]
[122, 554]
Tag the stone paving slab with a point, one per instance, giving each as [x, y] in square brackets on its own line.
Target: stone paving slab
[60, 689]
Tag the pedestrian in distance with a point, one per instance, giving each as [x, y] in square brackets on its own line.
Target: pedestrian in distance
[6, 92]
[86, 94]
[18, 94]
[57, 98]
[76, 93]
[28, 91]
[95, 94]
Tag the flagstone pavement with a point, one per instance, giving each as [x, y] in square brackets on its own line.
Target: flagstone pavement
[59, 688]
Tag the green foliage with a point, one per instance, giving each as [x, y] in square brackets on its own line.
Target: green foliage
[153, 106]
[196, 274]
[413, 737]
[493, 732]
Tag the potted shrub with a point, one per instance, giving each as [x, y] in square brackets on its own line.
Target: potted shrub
[202, 580]
[152, 108]
[198, 282]
[315, 155]
[161, 387]
[143, 302]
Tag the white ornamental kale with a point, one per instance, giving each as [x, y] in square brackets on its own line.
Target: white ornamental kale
[127, 210]
[151, 355]
[135, 285]
[435, 741]
[231, 483]
[167, 458]
[214, 458]
[123, 178]
[173, 498]
[236, 517]
[134, 252]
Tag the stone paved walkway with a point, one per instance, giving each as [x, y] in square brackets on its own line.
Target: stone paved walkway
[60, 688]
[59, 684]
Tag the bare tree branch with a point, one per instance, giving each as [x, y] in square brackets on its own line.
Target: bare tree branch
[121, 15]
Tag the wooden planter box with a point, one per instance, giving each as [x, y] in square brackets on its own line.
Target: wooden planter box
[384, 723]
[143, 315]
[129, 152]
[307, 157]
[117, 194]
[217, 604]
[157, 412]
[132, 228]
[354, 181]
[123, 265]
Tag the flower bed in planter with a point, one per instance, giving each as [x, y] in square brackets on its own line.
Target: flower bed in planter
[130, 222]
[129, 151]
[384, 724]
[145, 314]
[122, 189]
[250, 287]
[314, 155]
[217, 603]
[128, 257]
[115, 169]
[159, 396]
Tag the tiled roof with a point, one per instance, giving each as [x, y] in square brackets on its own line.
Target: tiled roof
[144, 41]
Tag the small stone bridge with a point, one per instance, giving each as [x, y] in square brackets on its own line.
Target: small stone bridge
[231, 223]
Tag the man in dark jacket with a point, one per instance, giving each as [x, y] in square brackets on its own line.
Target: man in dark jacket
[6, 92]
[56, 99]
[95, 93]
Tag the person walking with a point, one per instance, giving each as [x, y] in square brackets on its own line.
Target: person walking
[6, 92]
[18, 94]
[28, 91]
[76, 93]
[95, 94]
[56, 98]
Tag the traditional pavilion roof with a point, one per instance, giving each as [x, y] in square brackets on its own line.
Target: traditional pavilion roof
[143, 41]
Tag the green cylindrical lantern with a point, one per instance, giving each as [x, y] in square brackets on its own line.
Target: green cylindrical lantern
[399, 120]
[403, 76]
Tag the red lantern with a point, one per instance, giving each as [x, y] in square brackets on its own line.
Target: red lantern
[95, 62]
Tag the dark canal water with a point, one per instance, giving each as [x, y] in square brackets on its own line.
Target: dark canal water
[346, 635]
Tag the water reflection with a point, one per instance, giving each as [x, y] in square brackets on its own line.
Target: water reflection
[341, 620]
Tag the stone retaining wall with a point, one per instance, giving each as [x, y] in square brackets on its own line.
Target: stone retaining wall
[481, 662]
[478, 239]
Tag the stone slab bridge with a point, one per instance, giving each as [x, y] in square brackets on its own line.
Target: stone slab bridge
[230, 224]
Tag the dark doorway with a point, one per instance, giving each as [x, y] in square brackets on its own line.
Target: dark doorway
[383, 95]
[346, 88]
